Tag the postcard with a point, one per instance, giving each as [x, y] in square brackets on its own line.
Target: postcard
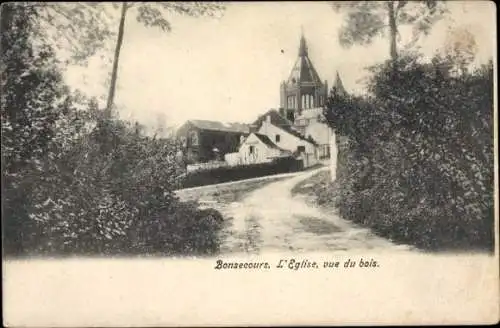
[249, 163]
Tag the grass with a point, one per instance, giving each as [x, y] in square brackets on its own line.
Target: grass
[317, 190]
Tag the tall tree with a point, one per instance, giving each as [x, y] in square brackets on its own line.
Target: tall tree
[154, 15]
[84, 28]
[367, 20]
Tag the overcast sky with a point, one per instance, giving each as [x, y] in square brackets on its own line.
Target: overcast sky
[230, 69]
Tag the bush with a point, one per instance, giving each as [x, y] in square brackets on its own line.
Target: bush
[102, 199]
[418, 164]
[234, 173]
[77, 182]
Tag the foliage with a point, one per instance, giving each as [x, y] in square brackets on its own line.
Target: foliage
[367, 20]
[32, 98]
[460, 48]
[118, 198]
[84, 28]
[240, 172]
[418, 162]
[80, 30]
[153, 15]
[75, 181]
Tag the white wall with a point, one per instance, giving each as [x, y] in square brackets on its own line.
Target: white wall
[320, 132]
[232, 158]
[262, 153]
[289, 142]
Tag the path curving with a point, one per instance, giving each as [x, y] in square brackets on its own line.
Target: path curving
[270, 219]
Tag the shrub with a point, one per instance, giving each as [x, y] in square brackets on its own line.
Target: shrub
[418, 165]
[233, 173]
[76, 182]
[117, 200]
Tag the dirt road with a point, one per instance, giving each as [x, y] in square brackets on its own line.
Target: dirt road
[269, 219]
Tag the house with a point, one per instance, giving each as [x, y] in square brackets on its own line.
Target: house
[298, 127]
[205, 141]
[311, 123]
[256, 148]
[287, 138]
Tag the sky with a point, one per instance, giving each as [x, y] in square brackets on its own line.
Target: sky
[230, 69]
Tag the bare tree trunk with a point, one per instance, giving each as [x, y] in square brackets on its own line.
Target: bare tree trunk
[114, 73]
[393, 31]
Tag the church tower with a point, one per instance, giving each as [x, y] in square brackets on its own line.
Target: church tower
[304, 89]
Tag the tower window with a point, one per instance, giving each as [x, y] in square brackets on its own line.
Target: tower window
[278, 138]
[291, 101]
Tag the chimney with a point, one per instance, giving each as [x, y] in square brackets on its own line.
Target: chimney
[268, 119]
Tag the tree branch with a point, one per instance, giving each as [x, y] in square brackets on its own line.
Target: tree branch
[401, 4]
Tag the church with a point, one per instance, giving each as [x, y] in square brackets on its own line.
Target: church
[297, 128]
[302, 98]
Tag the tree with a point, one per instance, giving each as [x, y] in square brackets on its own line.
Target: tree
[460, 48]
[85, 28]
[75, 181]
[367, 20]
[419, 164]
[32, 99]
[153, 14]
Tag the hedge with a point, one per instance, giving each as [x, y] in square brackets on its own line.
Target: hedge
[234, 173]
[418, 164]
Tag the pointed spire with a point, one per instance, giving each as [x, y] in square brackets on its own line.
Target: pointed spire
[338, 86]
[303, 45]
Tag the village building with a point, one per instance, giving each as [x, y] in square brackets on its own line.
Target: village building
[205, 141]
[273, 136]
[298, 128]
[256, 148]
[286, 137]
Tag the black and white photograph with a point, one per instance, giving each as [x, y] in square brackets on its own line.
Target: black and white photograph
[249, 163]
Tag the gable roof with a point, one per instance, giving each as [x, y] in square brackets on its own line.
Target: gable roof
[268, 142]
[276, 119]
[281, 122]
[265, 139]
[219, 126]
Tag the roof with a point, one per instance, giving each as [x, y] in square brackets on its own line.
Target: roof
[303, 71]
[281, 122]
[265, 139]
[276, 119]
[219, 126]
[338, 86]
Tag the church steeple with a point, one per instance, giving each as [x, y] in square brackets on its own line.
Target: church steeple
[304, 89]
[338, 86]
[303, 44]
